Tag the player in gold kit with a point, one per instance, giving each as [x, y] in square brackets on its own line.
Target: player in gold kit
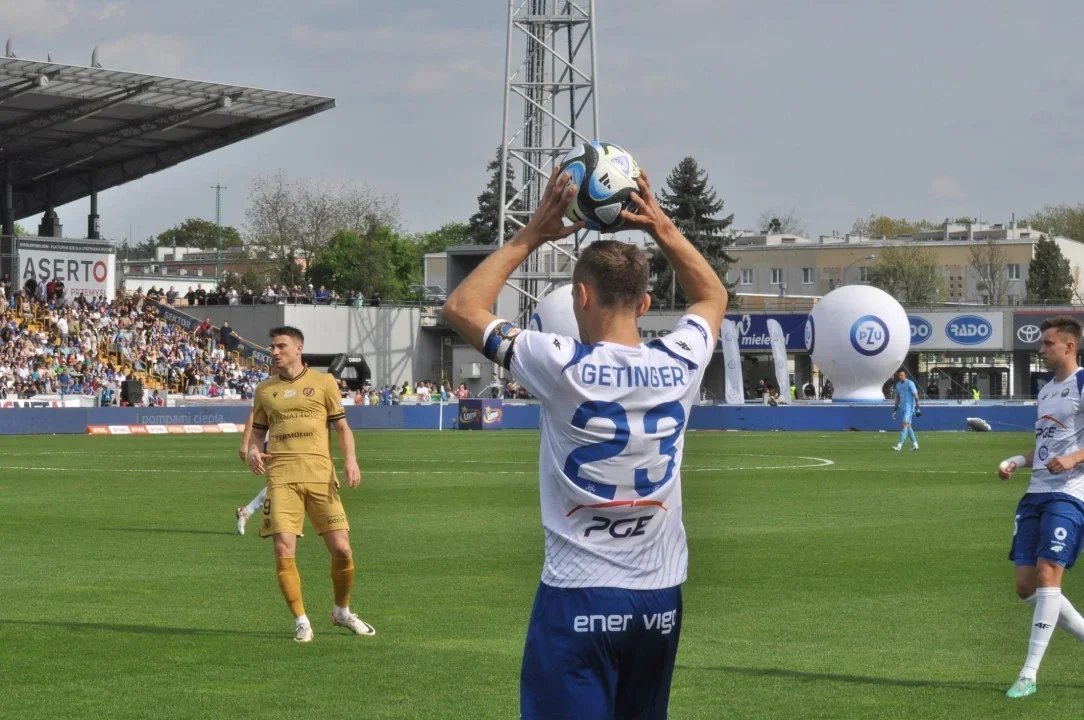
[293, 410]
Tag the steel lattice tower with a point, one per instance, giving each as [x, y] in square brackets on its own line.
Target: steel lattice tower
[554, 83]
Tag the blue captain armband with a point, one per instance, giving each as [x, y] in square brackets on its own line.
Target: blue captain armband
[500, 339]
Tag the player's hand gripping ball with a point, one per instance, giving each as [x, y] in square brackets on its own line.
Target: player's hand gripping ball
[605, 176]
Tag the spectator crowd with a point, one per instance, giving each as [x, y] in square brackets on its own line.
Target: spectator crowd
[270, 295]
[51, 344]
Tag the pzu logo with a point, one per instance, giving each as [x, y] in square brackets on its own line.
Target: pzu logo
[623, 528]
[869, 335]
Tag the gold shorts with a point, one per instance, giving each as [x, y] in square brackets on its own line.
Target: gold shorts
[298, 489]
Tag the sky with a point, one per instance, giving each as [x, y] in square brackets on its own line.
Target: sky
[832, 109]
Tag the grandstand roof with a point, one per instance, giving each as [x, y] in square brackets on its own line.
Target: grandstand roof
[60, 122]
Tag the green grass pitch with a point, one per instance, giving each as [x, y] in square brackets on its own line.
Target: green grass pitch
[829, 578]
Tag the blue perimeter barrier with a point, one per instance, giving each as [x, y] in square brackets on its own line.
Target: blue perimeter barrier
[828, 418]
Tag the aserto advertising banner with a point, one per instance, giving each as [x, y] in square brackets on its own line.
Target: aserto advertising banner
[1025, 327]
[87, 268]
[940, 331]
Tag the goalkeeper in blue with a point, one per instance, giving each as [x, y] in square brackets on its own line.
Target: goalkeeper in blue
[906, 408]
[603, 633]
[1050, 517]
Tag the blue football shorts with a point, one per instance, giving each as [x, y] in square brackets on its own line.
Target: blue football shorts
[600, 653]
[1047, 526]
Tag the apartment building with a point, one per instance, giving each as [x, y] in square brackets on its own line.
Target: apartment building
[794, 265]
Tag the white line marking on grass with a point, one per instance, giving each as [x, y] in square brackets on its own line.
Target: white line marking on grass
[815, 463]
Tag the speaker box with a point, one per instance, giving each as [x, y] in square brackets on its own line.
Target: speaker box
[131, 392]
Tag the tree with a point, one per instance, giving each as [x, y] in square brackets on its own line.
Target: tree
[484, 223]
[988, 263]
[908, 274]
[774, 222]
[271, 217]
[692, 204]
[291, 223]
[447, 236]
[199, 233]
[377, 261]
[1049, 277]
[884, 226]
[20, 230]
[1060, 220]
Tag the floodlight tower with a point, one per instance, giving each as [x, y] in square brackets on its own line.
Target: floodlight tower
[550, 81]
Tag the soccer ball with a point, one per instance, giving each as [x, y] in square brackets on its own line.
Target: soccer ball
[605, 175]
[554, 314]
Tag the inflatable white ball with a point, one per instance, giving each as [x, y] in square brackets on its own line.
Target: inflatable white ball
[858, 336]
[554, 314]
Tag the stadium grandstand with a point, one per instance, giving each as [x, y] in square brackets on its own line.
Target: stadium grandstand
[69, 132]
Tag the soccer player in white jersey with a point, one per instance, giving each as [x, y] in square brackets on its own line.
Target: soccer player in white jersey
[604, 629]
[1050, 517]
[244, 513]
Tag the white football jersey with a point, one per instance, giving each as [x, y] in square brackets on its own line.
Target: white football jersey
[1059, 431]
[613, 429]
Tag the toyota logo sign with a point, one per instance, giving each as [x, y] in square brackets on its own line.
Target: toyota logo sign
[1028, 334]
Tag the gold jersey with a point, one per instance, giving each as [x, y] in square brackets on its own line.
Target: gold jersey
[296, 413]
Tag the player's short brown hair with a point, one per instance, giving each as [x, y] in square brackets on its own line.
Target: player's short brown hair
[288, 331]
[617, 271]
[1066, 324]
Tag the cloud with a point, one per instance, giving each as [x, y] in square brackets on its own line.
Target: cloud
[398, 60]
[145, 53]
[39, 17]
[947, 188]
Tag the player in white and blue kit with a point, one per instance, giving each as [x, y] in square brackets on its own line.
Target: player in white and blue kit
[607, 616]
[1050, 517]
[907, 408]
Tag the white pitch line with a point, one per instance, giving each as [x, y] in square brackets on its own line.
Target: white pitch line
[817, 463]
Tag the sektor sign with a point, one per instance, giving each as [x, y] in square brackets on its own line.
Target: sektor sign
[87, 269]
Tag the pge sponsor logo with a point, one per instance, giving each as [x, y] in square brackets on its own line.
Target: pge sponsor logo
[968, 330]
[492, 415]
[921, 330]
[621, 528]
[1045, 433]
[468, 415]
[869, 335]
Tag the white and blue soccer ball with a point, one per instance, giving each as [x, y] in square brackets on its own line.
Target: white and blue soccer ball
[554, 314]
[606, 177]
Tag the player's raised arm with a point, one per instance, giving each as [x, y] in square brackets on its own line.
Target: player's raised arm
[702, 286]
[469, 309]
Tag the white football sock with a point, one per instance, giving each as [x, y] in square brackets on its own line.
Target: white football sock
[341, 613]
[1068, 619]
[1043, 622]
[257, 502]
[301, 620]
